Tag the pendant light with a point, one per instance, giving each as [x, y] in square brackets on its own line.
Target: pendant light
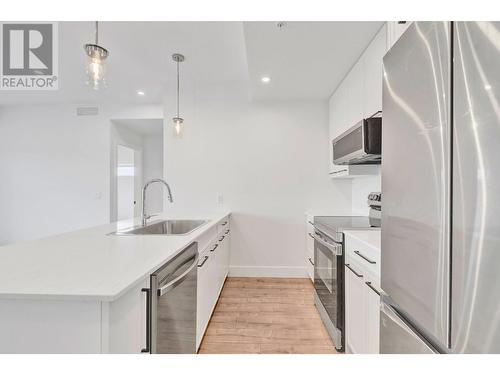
[95, 62]
[177, 121]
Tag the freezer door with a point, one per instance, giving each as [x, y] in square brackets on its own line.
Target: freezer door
[476, 189]
[415, 176]
[398, 337]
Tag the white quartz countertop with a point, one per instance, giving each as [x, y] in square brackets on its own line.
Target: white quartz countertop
[371, 238]
[89, 264]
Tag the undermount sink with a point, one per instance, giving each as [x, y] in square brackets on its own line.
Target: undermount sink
[164, 227]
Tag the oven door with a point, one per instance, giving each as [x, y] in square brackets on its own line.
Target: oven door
[329, 285]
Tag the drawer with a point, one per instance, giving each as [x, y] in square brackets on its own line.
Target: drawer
[309, 239]
[206, 238]
[223, 226]
[310, 264]
[365, 257]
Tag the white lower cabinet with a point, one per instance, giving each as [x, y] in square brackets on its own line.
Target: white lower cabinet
[213, 268]
[356, 311]
[373, 320]
[309, 253]
[362, 298]
[205, 291]
[126, 321]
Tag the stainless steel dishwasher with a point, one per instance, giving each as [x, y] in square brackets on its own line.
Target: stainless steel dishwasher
[172, 304]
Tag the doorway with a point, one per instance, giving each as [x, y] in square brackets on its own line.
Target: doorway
[136, 157]
[125, 186]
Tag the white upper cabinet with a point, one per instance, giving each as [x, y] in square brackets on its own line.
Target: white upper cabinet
[358, 96]
[395, 30]
[373, 73]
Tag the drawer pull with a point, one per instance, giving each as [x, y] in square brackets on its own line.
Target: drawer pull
[354, 272]
[204, 261]
[371, 287]
[215, 247]
[365, 258]
[310, 261]
[224, 223]
[227, 231]
[339, 171]
[220, 239]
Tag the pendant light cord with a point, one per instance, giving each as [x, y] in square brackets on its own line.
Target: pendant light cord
[97, 33]
[177, 88]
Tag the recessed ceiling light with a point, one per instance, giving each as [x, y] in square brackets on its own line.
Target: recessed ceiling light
[487, 87]
[266, 79]
[141, 93]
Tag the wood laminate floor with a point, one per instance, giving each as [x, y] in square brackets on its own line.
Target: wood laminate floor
[266, 315]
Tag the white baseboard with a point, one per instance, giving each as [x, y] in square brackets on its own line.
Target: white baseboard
[255, 271]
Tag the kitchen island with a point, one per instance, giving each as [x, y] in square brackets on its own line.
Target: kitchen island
[81, 292]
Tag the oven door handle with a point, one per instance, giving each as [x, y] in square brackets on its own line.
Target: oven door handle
[327, 235]
[175, 282]
[335, 249]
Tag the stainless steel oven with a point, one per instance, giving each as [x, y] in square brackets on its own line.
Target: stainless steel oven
[329, 264]
[329, 284]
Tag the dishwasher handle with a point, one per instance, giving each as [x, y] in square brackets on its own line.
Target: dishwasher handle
[147, 349]
[175, 282]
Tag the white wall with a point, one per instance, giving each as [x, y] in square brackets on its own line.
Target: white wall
[361, 187]
[152, 161]
[55, 168]
[268, 160]
[125, 182]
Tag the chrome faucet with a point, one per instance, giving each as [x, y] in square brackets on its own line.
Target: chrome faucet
[145, 217]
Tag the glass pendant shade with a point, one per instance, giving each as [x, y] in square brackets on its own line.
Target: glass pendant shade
[95, 66]
[177, 126]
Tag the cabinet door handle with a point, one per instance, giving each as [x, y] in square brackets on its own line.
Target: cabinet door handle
[227, 231]
[215, 247]
[354, 272]
[224, 223]
[220, 239]
[148, 320]
[365, 258]
[204, 261]
[372, 287]
[310, 235]
[310, 261]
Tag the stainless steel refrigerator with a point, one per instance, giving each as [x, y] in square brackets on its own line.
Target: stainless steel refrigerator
[441, 188]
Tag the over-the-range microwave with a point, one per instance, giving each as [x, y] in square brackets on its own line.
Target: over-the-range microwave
[361, 144]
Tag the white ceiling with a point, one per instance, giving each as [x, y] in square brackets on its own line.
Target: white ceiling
[140, 59]
[304, 60]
